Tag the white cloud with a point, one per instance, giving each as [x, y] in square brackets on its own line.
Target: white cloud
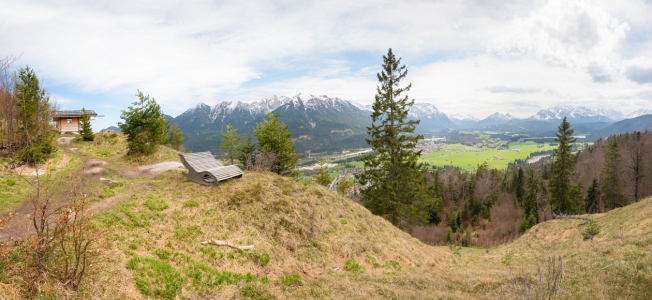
[539, 52]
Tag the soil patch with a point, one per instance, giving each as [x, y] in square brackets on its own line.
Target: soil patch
[159, 168]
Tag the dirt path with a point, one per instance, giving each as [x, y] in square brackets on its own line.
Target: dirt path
[93, 170]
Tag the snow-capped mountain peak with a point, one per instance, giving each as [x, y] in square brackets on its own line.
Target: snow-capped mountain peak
[577, 114]
[638, 113]
[462, 117]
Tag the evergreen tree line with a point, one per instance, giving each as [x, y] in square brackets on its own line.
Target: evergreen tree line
[609, 174]
[615, 172]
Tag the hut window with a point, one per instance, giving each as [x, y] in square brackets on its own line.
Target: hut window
[69, 121]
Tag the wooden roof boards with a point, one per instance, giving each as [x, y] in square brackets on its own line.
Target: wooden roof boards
[74, 113]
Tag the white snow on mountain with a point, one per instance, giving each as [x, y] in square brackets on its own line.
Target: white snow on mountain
[462, 117]
[638, 113]
[577, 112]
[501, 117]
[267, 105]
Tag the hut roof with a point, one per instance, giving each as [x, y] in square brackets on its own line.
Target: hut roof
[73, 113]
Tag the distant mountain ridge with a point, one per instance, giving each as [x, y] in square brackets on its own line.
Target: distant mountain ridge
[320, 123]
[579, 114]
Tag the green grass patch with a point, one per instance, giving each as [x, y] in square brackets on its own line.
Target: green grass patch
[289, 279]
[260, 257]
[352, 266]
[156, 204]
[190, 203]
[155, 278]
[184, 233]
[204, 276]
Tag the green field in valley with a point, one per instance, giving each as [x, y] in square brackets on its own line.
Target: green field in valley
[462, 156]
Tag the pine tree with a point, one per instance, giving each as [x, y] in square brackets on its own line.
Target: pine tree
[561, 170]
[530, 205]
[176, 138]
[612, 194]
[592, 197]
[145, 125]
[34, 114]
[449, 235]
[322, 176]
[86, 131]
[273, 136]
[452, 221]
[434, 214]
[246, 153]
[343, 186]
[230, 142]
[397, 187]
[520, 185]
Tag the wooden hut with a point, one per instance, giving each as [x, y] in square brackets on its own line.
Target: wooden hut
[68, 121]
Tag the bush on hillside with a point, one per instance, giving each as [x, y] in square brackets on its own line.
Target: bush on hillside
[39, 151]
[145, 125]
[592, 229]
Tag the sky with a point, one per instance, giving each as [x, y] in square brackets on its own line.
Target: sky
[466, 57]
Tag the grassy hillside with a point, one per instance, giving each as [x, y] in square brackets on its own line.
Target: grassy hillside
[310, 243]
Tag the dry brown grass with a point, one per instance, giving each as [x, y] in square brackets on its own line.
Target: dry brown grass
[313, 232]
[306, 229]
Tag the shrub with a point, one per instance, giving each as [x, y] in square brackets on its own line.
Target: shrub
[38, 152]
[592, 229]
[145, 125]
[156, 204]
[507, 258]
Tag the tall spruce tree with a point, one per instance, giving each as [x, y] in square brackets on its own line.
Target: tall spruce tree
[530, 204]
[273, 136]
[86, 131]
[397, 189]
[520, 185]
[592, 197]
[612, 193]
[561, 170]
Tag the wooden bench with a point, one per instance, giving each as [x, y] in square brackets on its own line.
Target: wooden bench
[203, 168]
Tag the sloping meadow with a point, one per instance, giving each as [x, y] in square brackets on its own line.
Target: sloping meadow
[615, 264]
[308, 242]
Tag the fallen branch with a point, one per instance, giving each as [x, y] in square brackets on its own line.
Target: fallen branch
[555, 216]
[224, 243]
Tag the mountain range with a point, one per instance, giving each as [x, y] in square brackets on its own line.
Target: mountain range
[325, 124]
